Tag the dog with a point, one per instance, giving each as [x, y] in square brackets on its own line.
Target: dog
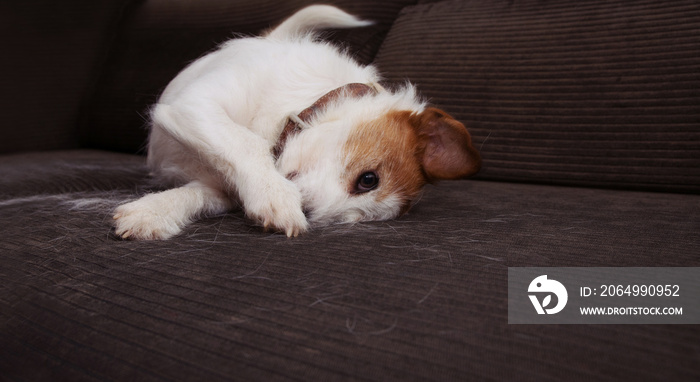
[293, 131]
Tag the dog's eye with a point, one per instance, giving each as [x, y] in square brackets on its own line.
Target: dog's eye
[367, 181]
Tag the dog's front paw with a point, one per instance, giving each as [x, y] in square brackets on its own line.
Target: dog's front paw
[278, 207]
[145, 220]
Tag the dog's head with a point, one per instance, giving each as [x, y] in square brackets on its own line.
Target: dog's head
[362, 160]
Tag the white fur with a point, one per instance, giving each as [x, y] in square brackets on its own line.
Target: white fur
[215, 124]
[317, 156]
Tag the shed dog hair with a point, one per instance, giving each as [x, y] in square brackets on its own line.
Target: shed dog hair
[296, 133]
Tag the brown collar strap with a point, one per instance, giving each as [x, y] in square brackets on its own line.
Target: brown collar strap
[295, 124]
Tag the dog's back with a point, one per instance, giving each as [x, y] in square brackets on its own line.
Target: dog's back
[257, 81]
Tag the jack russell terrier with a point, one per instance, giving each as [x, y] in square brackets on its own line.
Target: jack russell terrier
[296, 133]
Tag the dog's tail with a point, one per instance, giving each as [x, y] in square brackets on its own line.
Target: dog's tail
[313, 18]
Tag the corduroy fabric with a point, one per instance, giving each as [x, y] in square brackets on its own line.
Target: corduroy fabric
[593, 93]
[64, 172]
[50, 55]
[162, 37]
[420, 298]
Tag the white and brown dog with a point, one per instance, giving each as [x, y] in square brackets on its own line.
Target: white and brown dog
[296, 133]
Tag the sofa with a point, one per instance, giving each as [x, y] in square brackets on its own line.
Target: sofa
[587, 116]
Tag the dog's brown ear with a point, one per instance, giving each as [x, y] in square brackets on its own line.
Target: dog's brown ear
[445, 146]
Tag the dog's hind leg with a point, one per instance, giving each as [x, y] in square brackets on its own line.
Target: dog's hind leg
[164, 214]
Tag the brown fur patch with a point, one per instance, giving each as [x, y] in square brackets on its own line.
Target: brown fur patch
[388, 146]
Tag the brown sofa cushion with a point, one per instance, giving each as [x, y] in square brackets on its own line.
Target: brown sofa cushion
[50, 54]
[420, 298]
[162, 37]
[594, 93]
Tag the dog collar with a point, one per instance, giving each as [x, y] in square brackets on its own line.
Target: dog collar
[298, 122]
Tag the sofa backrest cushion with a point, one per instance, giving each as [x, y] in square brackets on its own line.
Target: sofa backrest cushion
[163, 36]
[51, 51]
[594, 93]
